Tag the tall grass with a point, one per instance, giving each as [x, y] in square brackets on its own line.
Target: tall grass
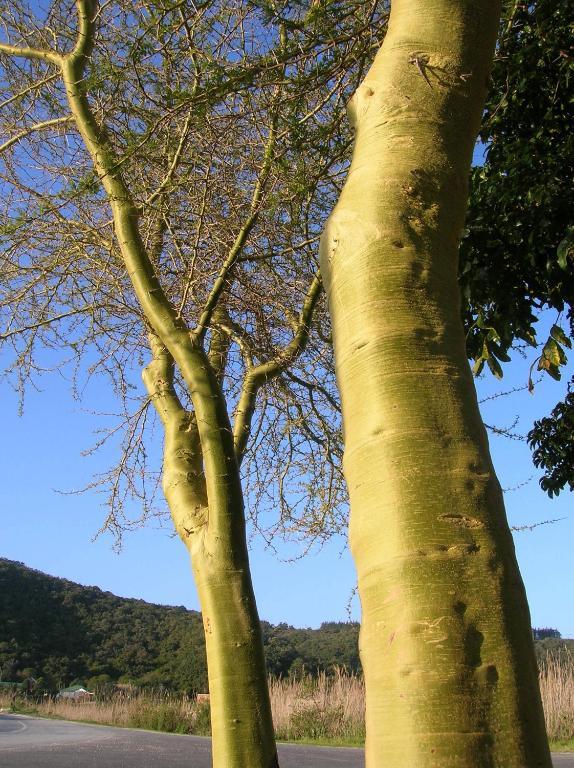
[557, 689]
[323, 708]
[327, 708]
[154, 711]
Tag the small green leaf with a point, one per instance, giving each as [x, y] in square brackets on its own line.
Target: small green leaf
[528, 337]
[553, 352]
[553, 371]
[497, 350]
[566, 249]
[494, 366]
[558, 334]
[478, 366]
[544, 364]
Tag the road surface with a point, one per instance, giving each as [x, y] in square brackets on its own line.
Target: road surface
[31, 742]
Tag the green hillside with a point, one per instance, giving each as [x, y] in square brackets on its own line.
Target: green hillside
[61, 632]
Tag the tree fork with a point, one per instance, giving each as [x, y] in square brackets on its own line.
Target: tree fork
[206, 502]
[241, 722]
[446, 645]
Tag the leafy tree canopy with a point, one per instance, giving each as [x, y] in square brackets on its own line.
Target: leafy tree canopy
[517, 256]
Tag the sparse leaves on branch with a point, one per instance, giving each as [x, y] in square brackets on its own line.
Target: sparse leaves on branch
[227, 122]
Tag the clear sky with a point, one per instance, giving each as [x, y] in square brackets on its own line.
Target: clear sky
[40, 455]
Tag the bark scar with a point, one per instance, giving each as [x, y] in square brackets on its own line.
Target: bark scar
[464, 521]
[422, 61]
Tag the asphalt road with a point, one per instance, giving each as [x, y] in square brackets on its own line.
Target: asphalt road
[30, 742]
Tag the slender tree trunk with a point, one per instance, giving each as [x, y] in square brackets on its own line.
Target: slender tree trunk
[445, 640]
[201, 469]
[241, 723]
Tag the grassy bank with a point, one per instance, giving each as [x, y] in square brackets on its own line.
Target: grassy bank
[153, 711]
[323, 709]
[557, 688]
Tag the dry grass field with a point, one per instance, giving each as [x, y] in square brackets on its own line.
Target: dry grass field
[326, 708]
[557, 688]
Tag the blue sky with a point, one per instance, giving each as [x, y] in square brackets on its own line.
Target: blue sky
[41, 455]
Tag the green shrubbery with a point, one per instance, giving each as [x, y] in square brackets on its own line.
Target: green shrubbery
[202, 719]
[310, 724]
[59, 632]
[161, 717]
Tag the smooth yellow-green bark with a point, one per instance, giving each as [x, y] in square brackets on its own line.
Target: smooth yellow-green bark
[445, 640]
[201, 468]
[241, 721]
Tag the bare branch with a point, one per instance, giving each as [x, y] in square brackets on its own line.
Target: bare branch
[174, 163]
[30, 88]
[257, 376]
[48, 321]
[37, 127]
[286, 356]
[242, 236]
[31, 53]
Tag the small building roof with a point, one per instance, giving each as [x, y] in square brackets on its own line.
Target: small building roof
[74, 689]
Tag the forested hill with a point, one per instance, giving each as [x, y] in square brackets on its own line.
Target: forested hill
[60, 632]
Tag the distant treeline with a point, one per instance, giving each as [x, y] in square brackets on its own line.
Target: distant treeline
[60, 633]
[545, 632]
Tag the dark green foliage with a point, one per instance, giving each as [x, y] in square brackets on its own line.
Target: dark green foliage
[542, 633]
[517, 254]
[552, 441]
[557, 649]
[294, 652]
[522, 198]
[61, 633]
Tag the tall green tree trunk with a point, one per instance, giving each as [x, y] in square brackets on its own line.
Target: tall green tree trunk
[214, 534]
[201, 479]
[445, 639]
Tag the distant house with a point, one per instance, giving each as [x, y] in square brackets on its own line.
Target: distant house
[76, 693]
